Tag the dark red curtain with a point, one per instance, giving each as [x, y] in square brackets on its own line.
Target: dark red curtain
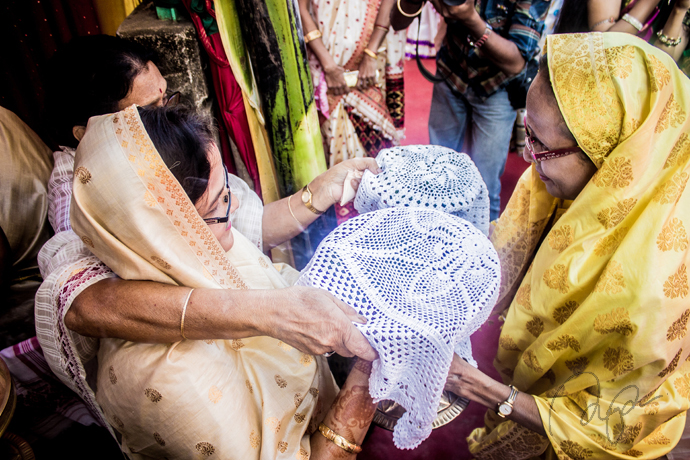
[30, 32]
[232, 115]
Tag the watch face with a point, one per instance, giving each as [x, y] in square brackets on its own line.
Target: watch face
[505, 409]
[305, 197]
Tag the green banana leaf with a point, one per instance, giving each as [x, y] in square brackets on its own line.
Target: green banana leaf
[272, 35]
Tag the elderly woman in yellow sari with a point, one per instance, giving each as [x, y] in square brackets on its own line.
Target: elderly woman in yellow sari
[594, 248]
[152, 200]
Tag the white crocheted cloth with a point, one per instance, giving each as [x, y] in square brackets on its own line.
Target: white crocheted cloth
[426, 176]
[425, 280]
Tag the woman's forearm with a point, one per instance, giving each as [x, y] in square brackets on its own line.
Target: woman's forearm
[283, 220]
[673, 28]
[383, 19]
[469, 382]
[317, 46]
[309, 319]
[641, 11]
[145, 311]
[349, 416]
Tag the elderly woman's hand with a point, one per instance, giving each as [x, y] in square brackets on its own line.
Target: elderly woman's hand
[315, 322]
[328, 187]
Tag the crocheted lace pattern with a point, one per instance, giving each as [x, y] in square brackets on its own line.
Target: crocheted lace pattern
[425, 280]
[426, 176]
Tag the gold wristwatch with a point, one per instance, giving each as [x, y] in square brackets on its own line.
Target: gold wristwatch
[306, 199]
[506, 407]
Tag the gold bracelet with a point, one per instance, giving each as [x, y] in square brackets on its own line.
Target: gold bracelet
[299, 224]
[313, 35]
[338, 440]
[668, 41]
[370, 53]
[384, 28]
[407, 15]
[184, 311]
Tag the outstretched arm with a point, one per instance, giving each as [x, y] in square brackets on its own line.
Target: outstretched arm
[310, 319]
[285, 219]
[468, 382]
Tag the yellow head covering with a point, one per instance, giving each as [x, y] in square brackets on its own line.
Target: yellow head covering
[599, 317]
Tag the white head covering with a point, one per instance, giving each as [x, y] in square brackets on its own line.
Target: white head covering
[425, 280]
[426, 176]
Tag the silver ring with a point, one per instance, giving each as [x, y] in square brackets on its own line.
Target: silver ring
[329, 354]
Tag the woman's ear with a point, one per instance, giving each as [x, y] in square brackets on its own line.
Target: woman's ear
[78, 132]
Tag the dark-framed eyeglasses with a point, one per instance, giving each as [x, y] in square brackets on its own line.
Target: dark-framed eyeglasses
[172, 100]
[547, 154]
[222, 220]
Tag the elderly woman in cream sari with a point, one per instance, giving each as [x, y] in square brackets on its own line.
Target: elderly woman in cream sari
[153, 216]
[594, 252]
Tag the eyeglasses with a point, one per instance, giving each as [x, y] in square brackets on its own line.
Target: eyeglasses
[222, 220]
[548, 154]
[173, 100]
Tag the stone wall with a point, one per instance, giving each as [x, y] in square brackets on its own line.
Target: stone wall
[181, 60]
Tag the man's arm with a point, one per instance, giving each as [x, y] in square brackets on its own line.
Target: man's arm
[504, 53]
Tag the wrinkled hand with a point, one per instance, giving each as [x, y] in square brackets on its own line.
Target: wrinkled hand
[315, 322]
[336, 80]
[461, 13]
[457, 375]
[328, 187]
[367, 73]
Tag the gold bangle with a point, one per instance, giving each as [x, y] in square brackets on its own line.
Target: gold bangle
[369, 53]
[313, 35]
[338, 440]
[299, 224]
[184, 311]
[407, 15]
[384, 28]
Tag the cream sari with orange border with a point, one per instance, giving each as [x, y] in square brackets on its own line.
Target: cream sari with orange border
[255, 398]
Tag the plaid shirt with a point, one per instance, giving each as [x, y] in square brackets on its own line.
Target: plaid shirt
[466, 66]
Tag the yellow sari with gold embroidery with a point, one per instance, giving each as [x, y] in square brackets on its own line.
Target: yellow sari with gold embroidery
[596, 330]
[255, 398]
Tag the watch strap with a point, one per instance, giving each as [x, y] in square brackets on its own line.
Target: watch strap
[508, 402]
[308, 203]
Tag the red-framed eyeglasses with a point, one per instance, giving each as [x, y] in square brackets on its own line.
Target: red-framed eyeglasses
[547, 154]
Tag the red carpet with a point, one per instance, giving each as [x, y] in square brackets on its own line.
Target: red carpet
[447, 442]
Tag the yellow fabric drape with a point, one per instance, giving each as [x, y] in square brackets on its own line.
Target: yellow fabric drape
[111, 13]
[255, 398]
[597, 329]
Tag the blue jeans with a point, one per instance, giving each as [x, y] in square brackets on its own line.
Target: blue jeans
[490, 124]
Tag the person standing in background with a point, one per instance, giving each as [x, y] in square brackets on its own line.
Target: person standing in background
[357, 119]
